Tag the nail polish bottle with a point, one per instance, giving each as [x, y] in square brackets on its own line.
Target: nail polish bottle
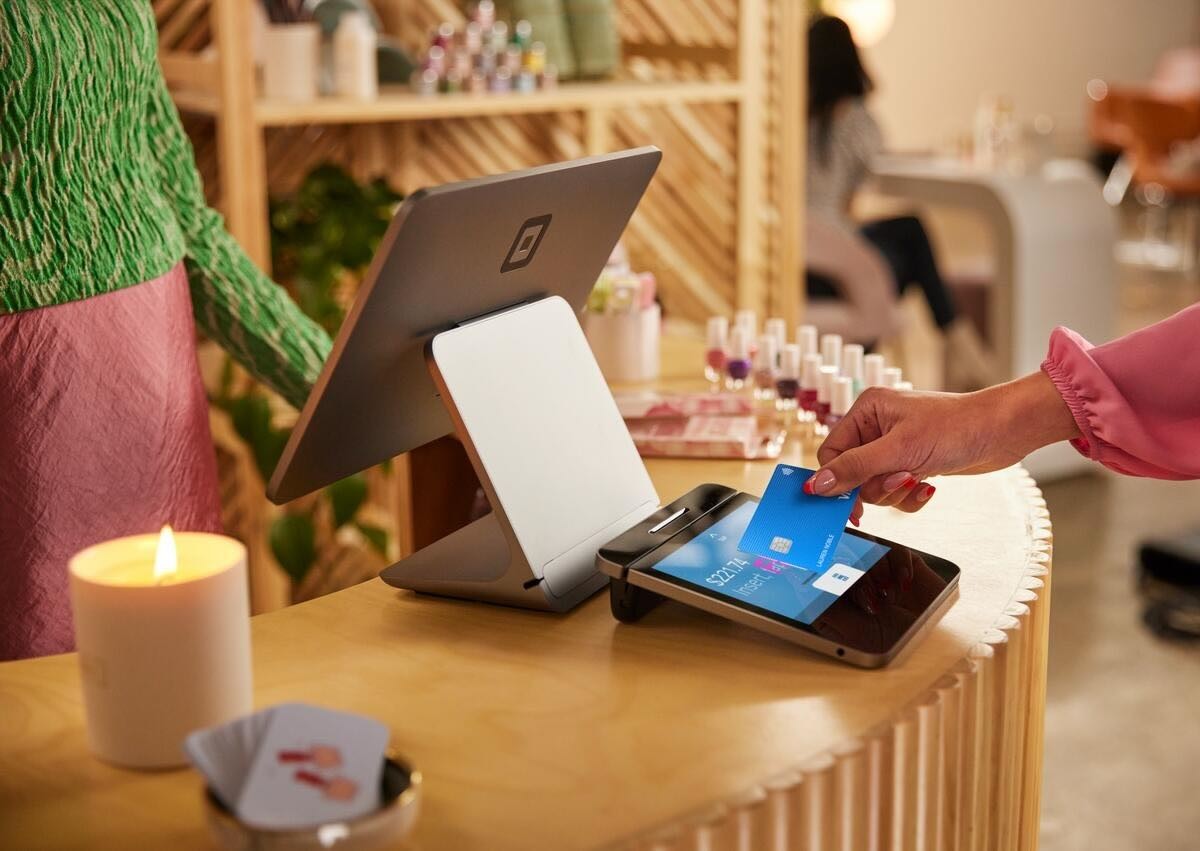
[831, 350]
[737, 366]
[810, 377]
[765, 367]
[825, 381]
[777, 328]
[747, 320]
[852, 366]
[891, 376]
[714, 356]
[842, 399]
[787, 385]
[806, 339]
[873, 366]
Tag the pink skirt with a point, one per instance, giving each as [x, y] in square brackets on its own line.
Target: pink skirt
[103, 433]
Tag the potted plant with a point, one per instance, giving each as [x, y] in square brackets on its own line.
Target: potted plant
[322, 239]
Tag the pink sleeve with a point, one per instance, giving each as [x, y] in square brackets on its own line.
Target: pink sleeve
[1137, 399]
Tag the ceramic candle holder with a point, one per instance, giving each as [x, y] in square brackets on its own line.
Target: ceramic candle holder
[400, 793]
[160, 657]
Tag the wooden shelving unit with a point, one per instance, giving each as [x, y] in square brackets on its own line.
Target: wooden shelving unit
[721, 224]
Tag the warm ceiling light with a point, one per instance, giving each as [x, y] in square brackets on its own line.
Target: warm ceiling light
[869, 20]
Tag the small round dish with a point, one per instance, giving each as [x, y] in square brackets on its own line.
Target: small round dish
[394, 820]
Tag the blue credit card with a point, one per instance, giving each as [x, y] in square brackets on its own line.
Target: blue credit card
[794, 527]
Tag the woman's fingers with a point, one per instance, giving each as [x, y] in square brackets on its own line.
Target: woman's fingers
[900, 490]
[885, 490]
[853, 467]
[917, 498]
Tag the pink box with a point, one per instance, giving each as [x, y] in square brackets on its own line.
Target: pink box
[705, 437]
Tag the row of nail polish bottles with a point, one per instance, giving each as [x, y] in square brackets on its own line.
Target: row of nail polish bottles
[817, 384]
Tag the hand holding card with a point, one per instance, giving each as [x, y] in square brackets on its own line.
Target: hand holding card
[796, 527]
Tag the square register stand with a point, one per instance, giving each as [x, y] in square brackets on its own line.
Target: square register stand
[467, 322]
[553, 456]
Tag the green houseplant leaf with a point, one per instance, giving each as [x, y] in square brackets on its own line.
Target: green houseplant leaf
[347, 496]
[294, 544]
[375, 536]
[322, 238]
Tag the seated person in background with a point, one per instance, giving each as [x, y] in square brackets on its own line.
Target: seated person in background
[843, 138]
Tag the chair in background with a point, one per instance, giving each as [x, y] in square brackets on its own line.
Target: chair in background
[1162, 148]
[866, 310]
[1158, 133]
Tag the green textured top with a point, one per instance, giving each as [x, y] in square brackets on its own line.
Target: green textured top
[99, 189]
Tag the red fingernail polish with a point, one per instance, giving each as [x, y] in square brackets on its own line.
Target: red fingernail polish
[854, 520]
[808, 487]
[909, 483]
[926, 493]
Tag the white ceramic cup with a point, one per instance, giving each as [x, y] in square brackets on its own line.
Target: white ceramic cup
[291, 61]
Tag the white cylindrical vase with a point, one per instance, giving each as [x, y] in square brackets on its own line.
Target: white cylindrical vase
[625, 344]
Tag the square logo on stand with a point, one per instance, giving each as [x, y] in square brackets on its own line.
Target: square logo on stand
[529, 237]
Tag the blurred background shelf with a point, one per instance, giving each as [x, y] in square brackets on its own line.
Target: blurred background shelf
[397, 103]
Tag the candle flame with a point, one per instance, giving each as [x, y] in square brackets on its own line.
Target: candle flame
[165, 560]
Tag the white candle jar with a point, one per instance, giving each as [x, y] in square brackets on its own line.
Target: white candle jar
[160, 658]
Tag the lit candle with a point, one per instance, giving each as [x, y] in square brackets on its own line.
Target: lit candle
[162, 625]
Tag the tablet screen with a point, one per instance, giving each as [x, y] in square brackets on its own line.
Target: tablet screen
[713, 560]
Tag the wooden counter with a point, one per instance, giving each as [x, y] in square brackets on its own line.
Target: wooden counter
[569, 731]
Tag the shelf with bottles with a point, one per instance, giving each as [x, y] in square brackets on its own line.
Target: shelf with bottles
[480, 67]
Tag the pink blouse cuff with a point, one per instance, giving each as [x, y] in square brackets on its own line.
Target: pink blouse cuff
[1065, 363]
[1095, 402]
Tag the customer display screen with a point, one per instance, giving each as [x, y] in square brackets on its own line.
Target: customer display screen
[868, 596]
[712, 561]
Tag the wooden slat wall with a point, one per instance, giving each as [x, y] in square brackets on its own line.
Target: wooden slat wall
[183, 25]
